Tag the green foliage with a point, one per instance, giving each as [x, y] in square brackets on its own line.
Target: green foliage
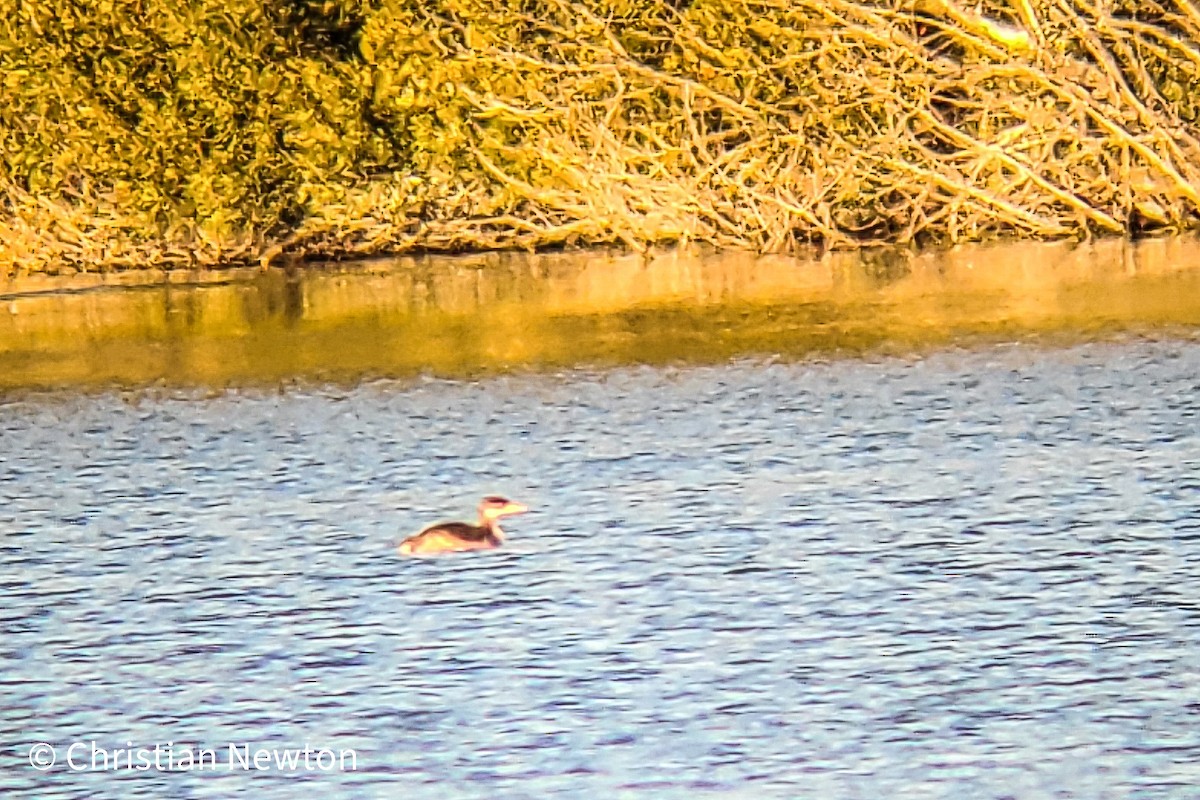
[218, 110]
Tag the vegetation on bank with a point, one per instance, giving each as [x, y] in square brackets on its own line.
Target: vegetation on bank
[225, 131]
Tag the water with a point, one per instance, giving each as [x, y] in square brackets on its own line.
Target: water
[964, 574]
[467, 317]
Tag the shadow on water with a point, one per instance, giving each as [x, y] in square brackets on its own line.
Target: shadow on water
[497, 312]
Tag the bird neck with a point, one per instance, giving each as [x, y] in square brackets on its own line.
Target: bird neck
[491, 524]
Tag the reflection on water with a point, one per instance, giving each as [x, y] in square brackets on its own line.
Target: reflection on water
[466, 316]
[967, 575]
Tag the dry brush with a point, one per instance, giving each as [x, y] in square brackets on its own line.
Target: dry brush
[474, 124]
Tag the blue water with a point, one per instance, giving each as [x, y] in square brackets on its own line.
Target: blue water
[972, 574]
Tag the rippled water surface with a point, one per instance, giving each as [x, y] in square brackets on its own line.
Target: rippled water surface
[972, 574]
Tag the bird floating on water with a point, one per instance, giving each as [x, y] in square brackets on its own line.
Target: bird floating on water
[453, 537]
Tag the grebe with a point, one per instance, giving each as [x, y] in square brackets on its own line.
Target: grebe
[451, 537]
